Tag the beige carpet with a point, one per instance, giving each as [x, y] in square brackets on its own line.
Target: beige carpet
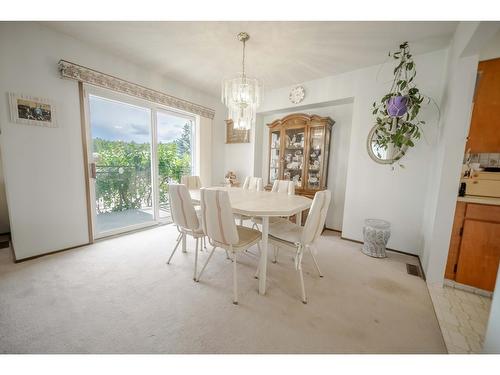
[119, 296]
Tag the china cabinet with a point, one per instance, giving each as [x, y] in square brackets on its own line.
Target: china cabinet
[299, 147]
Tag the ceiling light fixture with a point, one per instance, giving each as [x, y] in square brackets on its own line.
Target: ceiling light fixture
[242, 95]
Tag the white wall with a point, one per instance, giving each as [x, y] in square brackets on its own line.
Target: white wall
[492, 336]
[492, 49]
[374, 190]
[441, 192]
[4, 212]
[218, 142]
[43, 167]
[239, 158]
[339, 146]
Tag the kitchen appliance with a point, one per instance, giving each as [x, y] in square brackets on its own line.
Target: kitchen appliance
[461, 191]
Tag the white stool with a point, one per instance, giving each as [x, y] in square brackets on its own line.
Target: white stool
[376, 233]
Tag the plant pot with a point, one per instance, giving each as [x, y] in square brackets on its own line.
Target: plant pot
[397, 106]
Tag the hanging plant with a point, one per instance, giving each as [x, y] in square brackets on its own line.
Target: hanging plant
[397, 122]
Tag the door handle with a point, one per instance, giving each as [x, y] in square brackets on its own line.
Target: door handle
[93, 173]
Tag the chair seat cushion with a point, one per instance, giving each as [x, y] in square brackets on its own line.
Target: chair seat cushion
[285, 231]
[247, 236]
[197, 231]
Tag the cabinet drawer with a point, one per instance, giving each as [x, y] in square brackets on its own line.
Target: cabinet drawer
[483, 212]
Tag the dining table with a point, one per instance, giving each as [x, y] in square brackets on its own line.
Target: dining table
[263, 204]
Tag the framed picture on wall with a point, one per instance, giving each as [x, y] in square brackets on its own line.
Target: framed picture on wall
[236, 135]
[31, 110]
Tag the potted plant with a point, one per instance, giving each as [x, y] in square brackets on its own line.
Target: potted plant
[397, 122]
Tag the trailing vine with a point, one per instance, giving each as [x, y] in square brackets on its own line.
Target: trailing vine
[397, 112]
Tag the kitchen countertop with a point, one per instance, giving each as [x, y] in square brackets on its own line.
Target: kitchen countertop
[479, 200]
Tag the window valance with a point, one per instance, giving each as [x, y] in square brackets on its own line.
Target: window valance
[80, 73]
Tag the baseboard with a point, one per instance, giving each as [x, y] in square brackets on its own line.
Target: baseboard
[467, 288]
[389, 249]
[395, 251]
[421, 268]
[45, 254]
[85, 244]
[333, 230]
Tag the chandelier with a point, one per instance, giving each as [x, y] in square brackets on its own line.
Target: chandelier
[242, 95]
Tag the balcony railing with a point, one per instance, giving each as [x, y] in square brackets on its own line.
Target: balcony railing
[125, 187]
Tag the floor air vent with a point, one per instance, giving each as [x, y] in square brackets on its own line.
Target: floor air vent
[413, 270]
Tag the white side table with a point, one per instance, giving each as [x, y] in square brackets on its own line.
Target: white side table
[376, 233]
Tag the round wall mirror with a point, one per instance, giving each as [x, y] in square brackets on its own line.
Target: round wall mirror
[380, 154]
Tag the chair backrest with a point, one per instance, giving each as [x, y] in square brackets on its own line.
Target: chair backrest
[253, 183]
[181, 207]
[217, 216]
[316, 218]
[284, 186]
[192, 182]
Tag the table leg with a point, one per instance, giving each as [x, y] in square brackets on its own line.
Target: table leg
[298, 219]
[263, 256]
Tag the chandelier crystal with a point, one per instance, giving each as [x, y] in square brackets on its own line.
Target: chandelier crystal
[242, 95]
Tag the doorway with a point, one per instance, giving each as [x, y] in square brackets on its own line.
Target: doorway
[135, 149]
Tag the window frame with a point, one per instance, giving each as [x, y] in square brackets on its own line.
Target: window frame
[154, 108]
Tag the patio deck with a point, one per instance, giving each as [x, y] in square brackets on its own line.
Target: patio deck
[114, 220]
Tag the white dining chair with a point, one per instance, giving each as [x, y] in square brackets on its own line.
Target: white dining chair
[287, 235]
[251, 184]
[279, 186]
[192, 182]
[186, 219]
[284, 186]
[221, 230]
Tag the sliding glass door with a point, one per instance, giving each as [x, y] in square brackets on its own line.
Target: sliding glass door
[174, 153]
[135, 150]
[121, 164]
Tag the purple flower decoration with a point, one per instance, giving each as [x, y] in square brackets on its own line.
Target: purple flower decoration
[397, 106]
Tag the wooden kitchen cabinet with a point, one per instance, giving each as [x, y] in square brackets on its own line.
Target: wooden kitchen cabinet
[456, 238]
[479, 254]
[474, 252]
[484, 133]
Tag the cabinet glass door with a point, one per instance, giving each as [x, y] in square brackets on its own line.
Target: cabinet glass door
[315, 158]
[275, 157]
[294, 156]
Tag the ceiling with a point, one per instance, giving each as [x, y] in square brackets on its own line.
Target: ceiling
[201, 54]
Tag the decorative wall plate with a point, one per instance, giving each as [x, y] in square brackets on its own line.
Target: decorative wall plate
[297, 94]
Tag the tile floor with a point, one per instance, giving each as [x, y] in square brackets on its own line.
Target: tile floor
[463, 317]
